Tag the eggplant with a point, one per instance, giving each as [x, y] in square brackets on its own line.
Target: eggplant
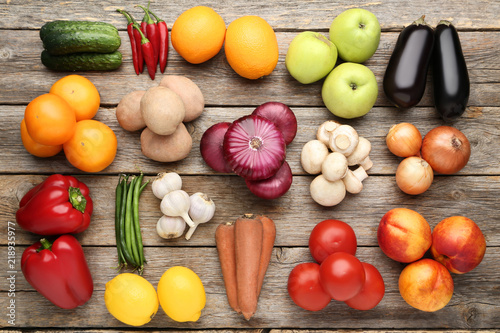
[450, 76]
[406, 73]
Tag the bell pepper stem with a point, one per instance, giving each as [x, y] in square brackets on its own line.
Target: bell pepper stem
[46, 245]
[77, 199]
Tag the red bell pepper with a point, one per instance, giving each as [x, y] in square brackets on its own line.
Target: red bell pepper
[59, 271]
[58, 205]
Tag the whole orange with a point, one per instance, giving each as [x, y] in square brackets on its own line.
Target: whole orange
[80, 93]
[50, 120]
[34, 148]
[198, 34]
[93, 146]
[251, 47]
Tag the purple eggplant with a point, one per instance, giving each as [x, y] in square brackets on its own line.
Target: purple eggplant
[406, 73]
[450, 77]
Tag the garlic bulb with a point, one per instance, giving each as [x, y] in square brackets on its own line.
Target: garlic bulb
[165, 183]
[202, 210]
[170, 227]
[176, 203]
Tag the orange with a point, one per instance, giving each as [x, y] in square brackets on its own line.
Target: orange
[251, 47]
[34, 148]
[80, 93]
[93, 147]
[50, 120]
[198, 34]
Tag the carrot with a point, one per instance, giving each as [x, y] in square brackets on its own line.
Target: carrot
[248, 236]
[269, 235]
[224, 239]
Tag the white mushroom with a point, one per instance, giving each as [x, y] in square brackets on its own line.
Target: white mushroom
[334, 166]
[325, 130]
[312, 156]
[353, 180]
[360, 154]
[344, 140]
[327, 193]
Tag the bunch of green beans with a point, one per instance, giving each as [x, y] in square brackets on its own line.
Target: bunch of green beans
[127, 227]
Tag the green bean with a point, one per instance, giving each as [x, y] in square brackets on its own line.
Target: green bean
[135, 207]
[118, 204]
[126, 253]
[128, 220]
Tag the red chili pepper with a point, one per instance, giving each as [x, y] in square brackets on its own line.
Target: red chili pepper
[130, 31]
[163, 48]
[152, 32]
[148, 53]
[58, 271]
[58, 205]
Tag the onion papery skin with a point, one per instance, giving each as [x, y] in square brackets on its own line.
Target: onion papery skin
[414, 175]
[254, 147]
[272, 187]
[446, 149]
[282, 116]
[211, 147]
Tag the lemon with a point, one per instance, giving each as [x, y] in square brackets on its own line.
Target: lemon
[131, 299]
[181, 294]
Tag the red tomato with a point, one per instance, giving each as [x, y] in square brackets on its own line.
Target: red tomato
[330, 236]
[304, 287]
[342, 276]
[372, 292]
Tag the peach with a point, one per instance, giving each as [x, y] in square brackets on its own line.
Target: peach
[426, 285]
[458, 243]
[404, 235]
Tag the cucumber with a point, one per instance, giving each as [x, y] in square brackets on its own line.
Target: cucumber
[82, 61]
[59, 27]
[82, 41]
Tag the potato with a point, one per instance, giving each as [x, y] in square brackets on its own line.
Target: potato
[191, 95]
[162, 110]
[166, 148]
[128, 111]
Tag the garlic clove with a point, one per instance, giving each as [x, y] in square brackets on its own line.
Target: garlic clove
[202, 210]
[169, 227]
[165, 183]
[176, 203]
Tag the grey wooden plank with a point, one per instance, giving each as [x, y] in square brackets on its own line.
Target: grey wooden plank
[474, 305]
[392, 14]
[295, 214]
[21, 68]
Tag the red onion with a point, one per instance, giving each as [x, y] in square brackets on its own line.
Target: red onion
[281, 116]
[274, 186]
[254, 147]
[446, 149]
[211, 147]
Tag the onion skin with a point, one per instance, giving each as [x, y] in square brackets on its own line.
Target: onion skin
[254, 147]
[272, 187]
[282, 116]
[211, 147]
[404, 140]
[446, 149]
[414, 175]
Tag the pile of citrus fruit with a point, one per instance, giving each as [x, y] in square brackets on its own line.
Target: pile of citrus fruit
[251, 47]
[62, 120]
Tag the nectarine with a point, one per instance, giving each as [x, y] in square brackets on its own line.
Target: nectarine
[426, 285]
[404, 235]
[458, 243]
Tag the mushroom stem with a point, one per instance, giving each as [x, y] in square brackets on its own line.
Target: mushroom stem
[353, 180]
[325, 131]
[360, 154]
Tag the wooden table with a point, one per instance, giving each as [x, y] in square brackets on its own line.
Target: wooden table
[473, 192]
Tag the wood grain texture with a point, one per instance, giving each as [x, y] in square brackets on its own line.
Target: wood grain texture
[473, 305]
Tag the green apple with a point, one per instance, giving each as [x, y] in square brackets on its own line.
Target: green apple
[356, 33]
[350, 90]
[310, 57]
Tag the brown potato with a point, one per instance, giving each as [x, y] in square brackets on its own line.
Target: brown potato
[128, 111]
[162, 110]
[191, 95]
[166, 148]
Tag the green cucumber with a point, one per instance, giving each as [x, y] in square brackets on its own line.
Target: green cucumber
[82, 41]
[59, 27]
[82, 61]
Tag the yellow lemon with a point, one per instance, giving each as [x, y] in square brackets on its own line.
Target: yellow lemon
[131, 299]
[181, 293]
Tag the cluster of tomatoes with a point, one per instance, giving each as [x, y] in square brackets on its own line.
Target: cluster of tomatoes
[62, 120]
[337, 274]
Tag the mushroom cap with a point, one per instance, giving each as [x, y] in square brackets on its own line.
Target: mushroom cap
[334, 166]
[327, 193]
[361, 152]
[312, 156]
[344, 140]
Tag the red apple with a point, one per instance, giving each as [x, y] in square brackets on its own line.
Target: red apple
[458, 243]
[426, 285]
[404, 235]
